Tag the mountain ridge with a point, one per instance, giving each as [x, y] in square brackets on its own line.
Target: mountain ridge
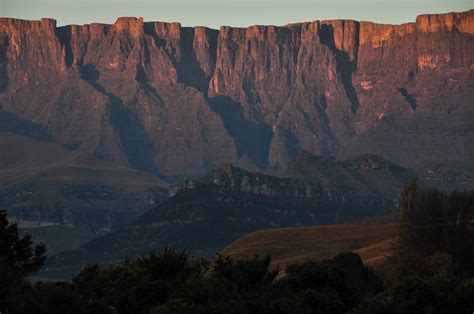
[206, 214]
[177, 101]
[431, 22]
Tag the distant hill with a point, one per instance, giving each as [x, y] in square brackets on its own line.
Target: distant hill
[365, 174]
[298, 245]
[309, 176]
[43, 185]
[371, 237]
[447, 174]
[205, 215]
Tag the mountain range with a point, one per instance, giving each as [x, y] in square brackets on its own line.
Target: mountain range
[177, 101]
[206, 214]
[119, 139]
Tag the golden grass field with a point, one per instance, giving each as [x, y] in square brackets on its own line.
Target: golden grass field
[373, 242]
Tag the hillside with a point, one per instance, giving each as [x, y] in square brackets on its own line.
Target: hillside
[206, 214]
[27, 159]
[68, 194]
[297, 245]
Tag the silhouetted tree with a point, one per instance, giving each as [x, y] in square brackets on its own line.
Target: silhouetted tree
[432, 273]
[330, 286]
[432, 269]
[240, 286]
[18, 259]
[436, 230]
[138, 285]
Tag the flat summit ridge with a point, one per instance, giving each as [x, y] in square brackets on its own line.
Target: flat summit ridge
[177, 101]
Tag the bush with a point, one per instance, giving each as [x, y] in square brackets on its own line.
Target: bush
[136, 286]
[331, 286]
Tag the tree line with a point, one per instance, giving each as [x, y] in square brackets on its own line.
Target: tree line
[431, 272]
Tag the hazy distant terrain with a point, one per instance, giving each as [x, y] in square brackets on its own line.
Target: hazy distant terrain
[124, 138]
[206, 214]
[67, 196]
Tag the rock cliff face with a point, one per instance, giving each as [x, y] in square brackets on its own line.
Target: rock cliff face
[232, 178]
[320, 179]
[176, 100]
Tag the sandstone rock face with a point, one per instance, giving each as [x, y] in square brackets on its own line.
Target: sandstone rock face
[176, 101]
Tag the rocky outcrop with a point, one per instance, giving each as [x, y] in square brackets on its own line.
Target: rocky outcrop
[228, 177]
[177, 101]
[206, 214]
[320, 179]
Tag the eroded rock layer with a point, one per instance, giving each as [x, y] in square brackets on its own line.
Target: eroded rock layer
[176, 100]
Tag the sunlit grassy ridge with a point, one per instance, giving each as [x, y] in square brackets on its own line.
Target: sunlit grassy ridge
[297, 245]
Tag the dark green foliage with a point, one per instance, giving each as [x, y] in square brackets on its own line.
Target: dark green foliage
[249, 276]
[18, 259]
[411, 294]
[58, 298]
[136, 286]
[176, 306]
[240, 286]
[415, 294]
[330, 286]
[171, 282]
[431, 273]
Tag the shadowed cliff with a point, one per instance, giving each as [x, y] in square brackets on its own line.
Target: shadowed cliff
[177, 101]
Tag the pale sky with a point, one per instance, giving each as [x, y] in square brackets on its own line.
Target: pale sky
[214, 13]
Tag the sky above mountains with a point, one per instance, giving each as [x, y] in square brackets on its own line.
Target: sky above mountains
[214, 13]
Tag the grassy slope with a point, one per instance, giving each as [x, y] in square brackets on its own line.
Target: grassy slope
[297, 245]
[371, 237]
[50, 175]
[23, 160]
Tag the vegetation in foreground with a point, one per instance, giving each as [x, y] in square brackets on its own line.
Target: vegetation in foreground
[431, 272]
